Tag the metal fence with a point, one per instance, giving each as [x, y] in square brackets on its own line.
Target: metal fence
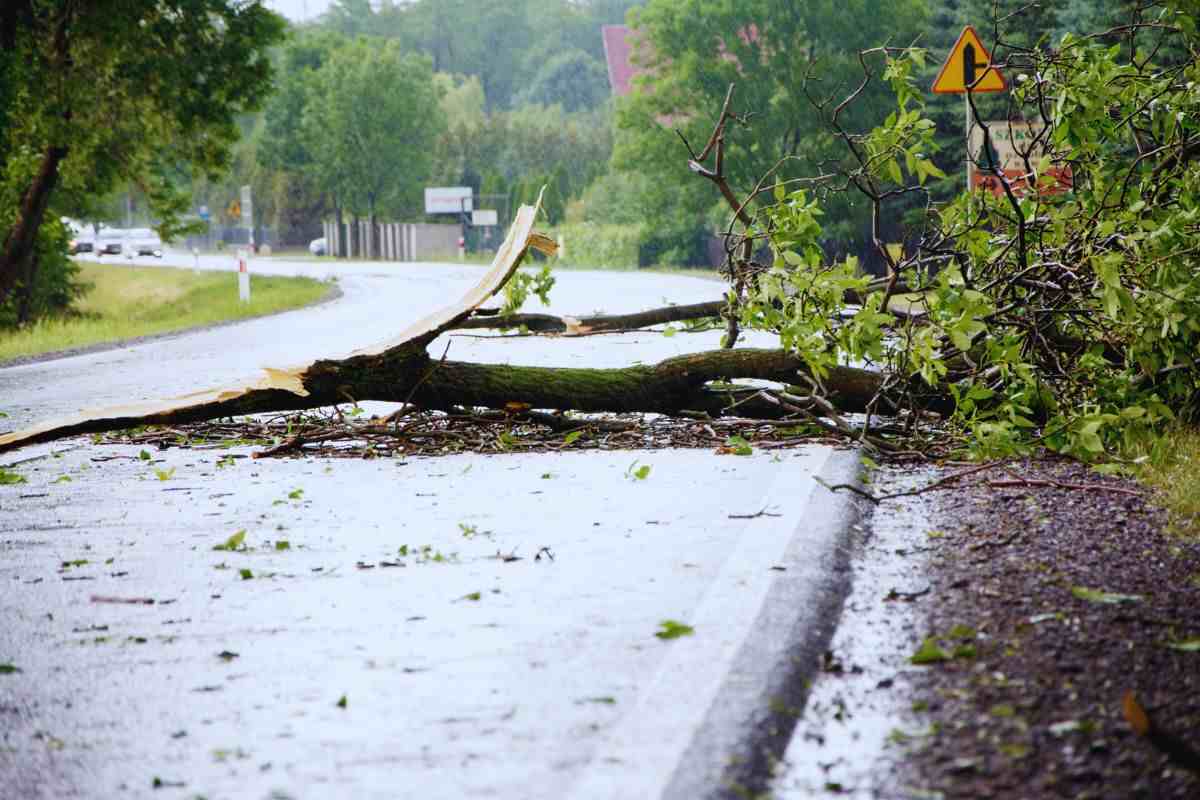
[391, 241]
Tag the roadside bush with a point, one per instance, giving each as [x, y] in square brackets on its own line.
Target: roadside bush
[590, 244]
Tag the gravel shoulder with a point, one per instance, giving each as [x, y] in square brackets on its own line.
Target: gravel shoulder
[1050, 602]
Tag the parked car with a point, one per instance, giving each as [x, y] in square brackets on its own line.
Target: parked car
[318, 247]
[109, 241]
[142, 242]
[82, 242]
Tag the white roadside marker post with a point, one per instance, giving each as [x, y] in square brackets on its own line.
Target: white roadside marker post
[243, 277]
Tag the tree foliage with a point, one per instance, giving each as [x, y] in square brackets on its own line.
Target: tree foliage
[370, 121]
[1069, 319]
[506, 44]
[784, 57]
[135, 90]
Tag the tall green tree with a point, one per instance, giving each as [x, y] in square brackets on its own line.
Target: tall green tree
[371, 122]
[572, 79]
[792, 63]
[297, 192]
[504, 43]
[112, 90]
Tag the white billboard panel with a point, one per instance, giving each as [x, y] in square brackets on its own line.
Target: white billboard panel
[447, 199]
[485, 217]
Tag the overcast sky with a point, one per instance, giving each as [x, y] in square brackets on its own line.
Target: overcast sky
[299, 10]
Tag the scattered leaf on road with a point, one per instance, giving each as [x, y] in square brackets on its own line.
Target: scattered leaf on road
[1186, 645]
[8, 477]
[673, 629]
[636, 473]
[1098, 596]
[234, 542]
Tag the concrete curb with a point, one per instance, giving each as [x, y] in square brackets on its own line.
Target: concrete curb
[722, 706]
[747, 728]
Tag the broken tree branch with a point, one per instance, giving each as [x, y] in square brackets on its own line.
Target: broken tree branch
[402, 371]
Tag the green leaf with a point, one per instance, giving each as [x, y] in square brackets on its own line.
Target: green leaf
[9, 478]
[739, 446]
[636, 473]
[1185, 645]
[164, 474]
[144, 455]
[673, 629]
[234, 542]
[930, 652]
[245, 573]
[283, 544]
[571, 437]
[473, 596]
[342, 702]
[9, 669]
[295, 494]
[1061, 729]
[1108, 598]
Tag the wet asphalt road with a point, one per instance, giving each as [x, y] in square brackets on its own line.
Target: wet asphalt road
[463, 674]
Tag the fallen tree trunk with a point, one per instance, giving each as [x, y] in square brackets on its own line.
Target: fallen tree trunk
[402, 371]
[673, 386]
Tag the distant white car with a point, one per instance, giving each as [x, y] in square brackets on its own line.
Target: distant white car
[82, 242]
[109, 240]
[142, 242]
[318, 247]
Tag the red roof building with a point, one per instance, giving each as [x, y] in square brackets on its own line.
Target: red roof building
[617, 52]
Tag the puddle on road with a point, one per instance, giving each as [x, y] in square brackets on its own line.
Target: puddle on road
[859, 720]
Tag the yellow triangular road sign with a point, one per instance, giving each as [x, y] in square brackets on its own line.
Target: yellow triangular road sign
[968, 68]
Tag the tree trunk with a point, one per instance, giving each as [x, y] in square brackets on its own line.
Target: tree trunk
[22, 237]
[25, 291]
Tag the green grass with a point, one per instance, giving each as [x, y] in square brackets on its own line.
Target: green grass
[127, 302]
[1174, 474]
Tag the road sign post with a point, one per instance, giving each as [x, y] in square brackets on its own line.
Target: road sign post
[968, 69]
